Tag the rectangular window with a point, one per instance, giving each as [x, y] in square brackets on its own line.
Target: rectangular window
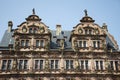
[96, 44]
[99, 65]
[6, 65]
[22, 64]
[54, 64]
[84, 65]
[39, 64]
[69, 64]
[39, 43]
[82, 44]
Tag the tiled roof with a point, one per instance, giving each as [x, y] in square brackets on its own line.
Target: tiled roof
[7, 38]
[63, 35]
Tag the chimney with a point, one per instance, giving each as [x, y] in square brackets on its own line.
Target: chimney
[104, 26]
[58, 30]
[10, 24]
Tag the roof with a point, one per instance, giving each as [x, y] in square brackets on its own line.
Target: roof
[7, 39]
[63, 35]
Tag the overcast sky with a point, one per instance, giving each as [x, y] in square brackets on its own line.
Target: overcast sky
[64, 12]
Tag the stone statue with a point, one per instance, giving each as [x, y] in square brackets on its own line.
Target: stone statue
[85, 12]
[33, 11]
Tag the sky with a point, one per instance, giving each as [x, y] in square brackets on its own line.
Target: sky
[64, 12]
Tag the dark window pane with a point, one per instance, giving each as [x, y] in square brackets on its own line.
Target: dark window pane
[36, 64]
[86, 64]
[90, 31]
[41, 43]
[94, 44]
[98, 43]
[86, 32]
[30, 30]
[111, 65]
[25, 64]
[71, 64]
[97, 66]
[22, 43]
[80, 43]
[84, 43]
[9, 64]
[82, 64]
[56, 64]
[35, 30]
[20, 64]
[27, 43]
[101, 65]
[116, 65]
[67, 64]
[52, 64]
[37, 43]
[41, 64]
[4, 62]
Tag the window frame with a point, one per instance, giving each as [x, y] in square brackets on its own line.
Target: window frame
[6, 66]
[22, 66]
[70, 64]
[40, 66]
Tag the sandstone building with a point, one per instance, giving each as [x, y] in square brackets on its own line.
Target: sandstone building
[34, 52]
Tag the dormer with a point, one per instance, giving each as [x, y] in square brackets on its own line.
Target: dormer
[87, 35]
[32, 34]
